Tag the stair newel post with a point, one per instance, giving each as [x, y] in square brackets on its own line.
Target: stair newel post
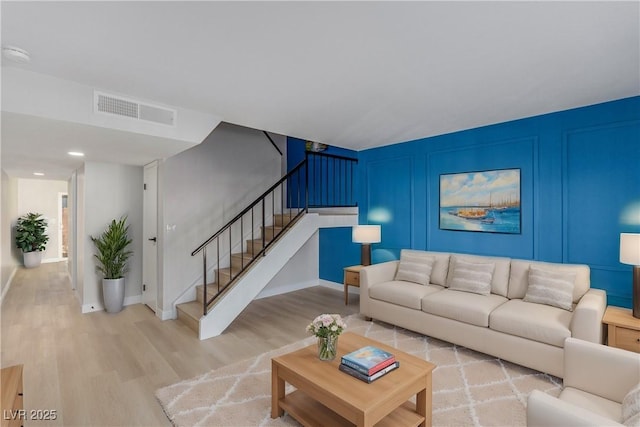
[218, 263]
[204, 278]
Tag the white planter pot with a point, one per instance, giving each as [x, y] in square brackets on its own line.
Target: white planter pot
[32, 259]
[113, 294]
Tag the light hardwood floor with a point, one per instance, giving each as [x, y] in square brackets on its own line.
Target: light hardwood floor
[102, 369]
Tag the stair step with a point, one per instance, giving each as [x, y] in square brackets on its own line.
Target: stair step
[255, 245]
[212, 289]
[283, 219]
[271, 230]
[190, 313]
[240, 260]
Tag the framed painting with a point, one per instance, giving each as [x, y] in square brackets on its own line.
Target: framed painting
[486, 201]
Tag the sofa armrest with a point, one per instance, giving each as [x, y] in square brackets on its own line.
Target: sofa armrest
[586, 323]
[370, 275]
[546, 410]
[378, 273]
[607, 372]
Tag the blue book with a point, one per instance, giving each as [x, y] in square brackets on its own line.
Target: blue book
[368, 360]
[368, 378]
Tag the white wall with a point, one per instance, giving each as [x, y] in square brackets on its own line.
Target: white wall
[203, 188]
[41, 196]
[300, 272]
[109, 191]
[79, 243]
[8, 214]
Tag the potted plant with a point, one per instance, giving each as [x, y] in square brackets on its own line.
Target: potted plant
[112, 259]
[31, 238]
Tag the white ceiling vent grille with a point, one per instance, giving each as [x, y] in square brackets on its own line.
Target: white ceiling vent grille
[119, 106]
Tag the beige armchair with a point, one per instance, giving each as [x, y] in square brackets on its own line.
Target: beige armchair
[596, 380]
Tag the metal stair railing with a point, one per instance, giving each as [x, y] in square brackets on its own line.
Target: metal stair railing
[320, 180]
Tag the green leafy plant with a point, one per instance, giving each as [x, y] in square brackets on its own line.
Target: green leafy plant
[112, 246]
[30, 232]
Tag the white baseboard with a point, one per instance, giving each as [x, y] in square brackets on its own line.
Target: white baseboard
[90, 308]
[6, 288]
[167, 314]
[50, 260]
[133, 299]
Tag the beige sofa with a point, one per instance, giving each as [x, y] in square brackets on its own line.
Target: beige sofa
[502, 322]
[598, 384]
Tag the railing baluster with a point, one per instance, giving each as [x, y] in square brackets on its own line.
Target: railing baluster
[263, 228]
[204, 278]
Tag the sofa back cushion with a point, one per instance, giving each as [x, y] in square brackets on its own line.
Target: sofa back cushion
[519, 277]
[415, 266]
[440, 266]
[500, 279]
[550, 287]
[472, 277]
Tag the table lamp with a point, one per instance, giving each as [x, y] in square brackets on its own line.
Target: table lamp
[366, 234]
[630, 254]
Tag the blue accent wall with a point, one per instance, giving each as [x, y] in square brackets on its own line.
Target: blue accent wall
[336, 252]
[580, 188]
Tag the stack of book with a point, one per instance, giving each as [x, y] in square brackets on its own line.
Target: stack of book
[368, 363]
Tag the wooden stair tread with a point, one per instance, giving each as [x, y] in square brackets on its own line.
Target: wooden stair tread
[191, 308]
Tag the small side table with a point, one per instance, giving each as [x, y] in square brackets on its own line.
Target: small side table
[351, 278]
[623, 329]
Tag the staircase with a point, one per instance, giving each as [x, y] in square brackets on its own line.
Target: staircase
[191, 312]
[247, 253]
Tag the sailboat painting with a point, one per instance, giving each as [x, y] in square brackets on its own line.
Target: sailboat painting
[487, 201]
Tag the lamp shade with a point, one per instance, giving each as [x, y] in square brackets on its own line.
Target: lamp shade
[366, 234]
[630, 248]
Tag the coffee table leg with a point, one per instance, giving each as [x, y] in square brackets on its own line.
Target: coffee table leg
[424, 402]
[277, 392]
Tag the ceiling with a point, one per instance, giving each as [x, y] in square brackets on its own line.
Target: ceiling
[351, 74]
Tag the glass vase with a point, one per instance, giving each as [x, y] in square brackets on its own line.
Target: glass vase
[327, 347]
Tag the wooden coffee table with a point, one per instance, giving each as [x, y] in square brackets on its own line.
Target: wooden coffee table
[326, 396]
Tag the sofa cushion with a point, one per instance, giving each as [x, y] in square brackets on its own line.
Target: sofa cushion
[599, 405]
[500, 279]
[406, 294]
[554, 288]
[440, 267]
[542, 323]
[415, 266]
[462, 306]
[519, 277]
[472, 277]
[631, 407]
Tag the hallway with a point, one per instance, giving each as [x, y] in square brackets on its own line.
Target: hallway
[103, 369]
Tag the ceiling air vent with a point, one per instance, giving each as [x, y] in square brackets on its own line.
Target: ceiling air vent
[119, 106]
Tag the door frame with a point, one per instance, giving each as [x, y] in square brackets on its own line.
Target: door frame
[147, 234]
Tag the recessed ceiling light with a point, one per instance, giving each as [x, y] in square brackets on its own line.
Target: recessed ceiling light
[76, 153]
[16, 54]
[38, 174]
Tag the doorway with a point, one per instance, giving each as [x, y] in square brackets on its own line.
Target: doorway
[63, 228]
[150, 232]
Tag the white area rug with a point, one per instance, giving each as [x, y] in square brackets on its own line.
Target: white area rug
[469, 388]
